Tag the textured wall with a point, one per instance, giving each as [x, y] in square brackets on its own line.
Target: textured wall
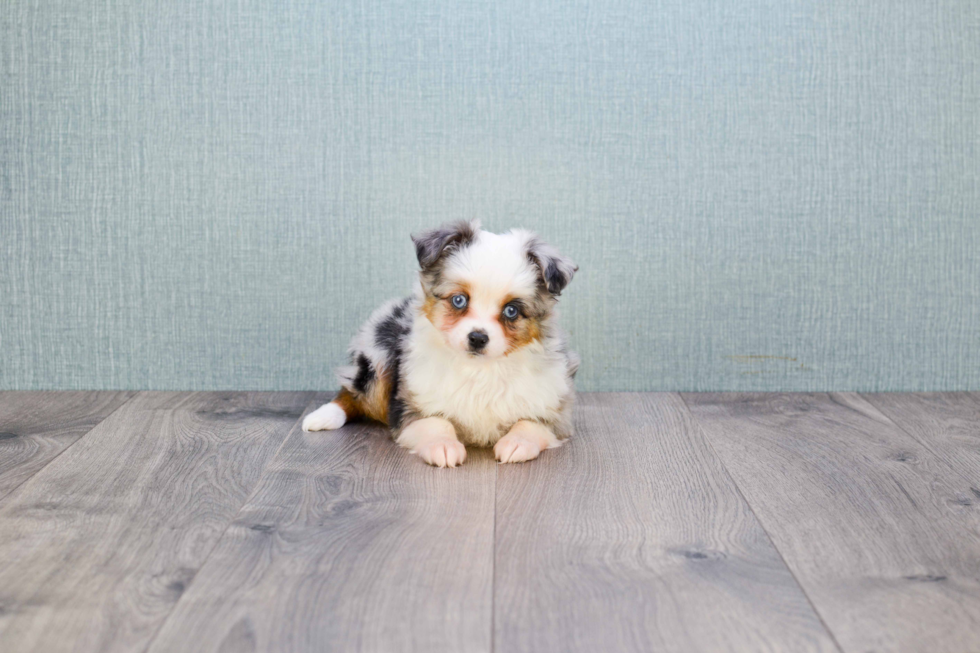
[761, 195]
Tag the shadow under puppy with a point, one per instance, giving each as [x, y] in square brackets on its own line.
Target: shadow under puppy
[475, 357]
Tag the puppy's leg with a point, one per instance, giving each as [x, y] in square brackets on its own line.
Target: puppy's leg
[434, 440]
[327, 417]
[524, 441]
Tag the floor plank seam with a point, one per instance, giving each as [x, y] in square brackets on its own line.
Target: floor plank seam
[14, 489]
[721, 461]
[493, 563]
[149, 644]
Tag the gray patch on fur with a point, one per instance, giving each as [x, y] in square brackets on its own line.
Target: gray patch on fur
[433, 246]
[556, 269]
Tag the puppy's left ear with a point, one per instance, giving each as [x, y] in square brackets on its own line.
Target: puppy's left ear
[557, 269]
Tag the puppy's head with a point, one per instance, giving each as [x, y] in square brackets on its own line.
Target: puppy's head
[489, 294]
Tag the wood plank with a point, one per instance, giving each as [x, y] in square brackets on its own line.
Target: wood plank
[349, 544]
[37, 426]
[946, 423]
[867, 518]
[633, 538]
[99, 545]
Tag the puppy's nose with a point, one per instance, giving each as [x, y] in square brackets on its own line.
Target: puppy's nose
[478, 340]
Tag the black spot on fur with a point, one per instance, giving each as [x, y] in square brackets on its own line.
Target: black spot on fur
[396, 407]
[399, 311]
[975, 492]
[177, 587]
[553, 278]
[262, 528]
[7, 436]
[926, 578]
[963, 501]
[389, 334]
[365, 374]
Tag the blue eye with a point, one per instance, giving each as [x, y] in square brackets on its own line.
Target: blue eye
[459, 301]
[510, 312]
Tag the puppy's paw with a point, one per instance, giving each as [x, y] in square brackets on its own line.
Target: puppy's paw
[442, 452]
[325, 418]
[514, 448]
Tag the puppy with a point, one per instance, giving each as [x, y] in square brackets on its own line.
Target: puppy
[474, 358]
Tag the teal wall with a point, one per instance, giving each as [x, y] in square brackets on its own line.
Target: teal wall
[761, 195]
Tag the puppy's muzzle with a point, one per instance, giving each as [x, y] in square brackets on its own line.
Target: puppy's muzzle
[478, 340]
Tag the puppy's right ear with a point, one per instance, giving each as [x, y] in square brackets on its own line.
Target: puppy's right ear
[432, 246]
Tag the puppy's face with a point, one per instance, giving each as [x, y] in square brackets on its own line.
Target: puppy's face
[489, 294]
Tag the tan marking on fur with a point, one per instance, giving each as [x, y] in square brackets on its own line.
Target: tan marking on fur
[449, 318]
[520, 333]
[429, 307]
[348, 403]
[441, 312]
[375, 403]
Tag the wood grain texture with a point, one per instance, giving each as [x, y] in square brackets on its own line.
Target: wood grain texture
[870, 521]
[633, 538]
[99, 545]
[946, 423]
[37, 426]
[349, 544]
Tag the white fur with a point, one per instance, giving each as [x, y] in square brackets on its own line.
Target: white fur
[325, 418]
[493, 267]
[434, 440]
[524, 441]
[482, 395]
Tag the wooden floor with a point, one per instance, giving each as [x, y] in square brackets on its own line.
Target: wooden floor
[699, 522]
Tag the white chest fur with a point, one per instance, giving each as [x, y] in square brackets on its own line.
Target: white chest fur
[483, 397]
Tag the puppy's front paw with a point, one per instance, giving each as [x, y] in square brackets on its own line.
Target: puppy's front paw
[514, 448]
[442, 452]
[325, 418]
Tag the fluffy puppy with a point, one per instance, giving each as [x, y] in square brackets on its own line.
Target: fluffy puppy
[474, 358]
